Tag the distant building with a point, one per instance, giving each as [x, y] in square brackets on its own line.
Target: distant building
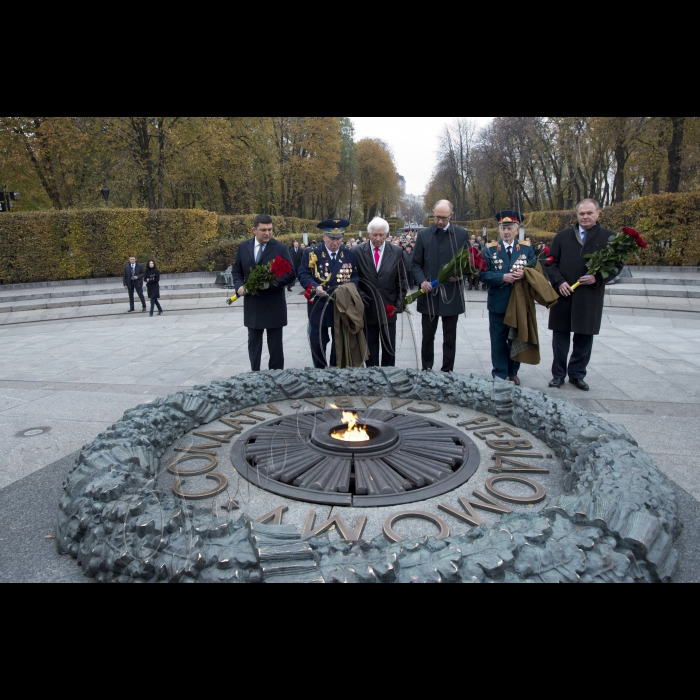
[402, 184]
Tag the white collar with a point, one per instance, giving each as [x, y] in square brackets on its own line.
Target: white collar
[329, 252]
[583, 231]
[381, 250]
[447, 228]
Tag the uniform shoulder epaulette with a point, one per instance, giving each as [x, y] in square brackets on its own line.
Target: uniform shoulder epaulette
[494, 244]
[525, 245]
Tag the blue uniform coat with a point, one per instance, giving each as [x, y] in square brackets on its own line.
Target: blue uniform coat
[497, 266]
[321, 311]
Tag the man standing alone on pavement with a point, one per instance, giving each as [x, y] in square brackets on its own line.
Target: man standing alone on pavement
[383, 288]
[435, 248]
[133, 282]
[579, 312]
[268, 310]
[296, 254]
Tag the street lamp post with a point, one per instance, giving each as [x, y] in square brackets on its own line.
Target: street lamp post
[105, 193]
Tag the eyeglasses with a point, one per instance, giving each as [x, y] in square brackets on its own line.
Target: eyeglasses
[442, 218]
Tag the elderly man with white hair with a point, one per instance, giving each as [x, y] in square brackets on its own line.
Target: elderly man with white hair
[383, 286]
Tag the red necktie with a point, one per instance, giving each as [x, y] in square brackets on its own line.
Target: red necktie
[377, 257]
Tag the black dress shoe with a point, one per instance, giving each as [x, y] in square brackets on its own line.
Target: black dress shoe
[556, 384]
[580, 384]
[131, 311]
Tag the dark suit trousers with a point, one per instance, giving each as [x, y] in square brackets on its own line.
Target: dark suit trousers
[139, 291]
[319, 337]
[503, 366]
[275, 344]
[578, 365]
[449, 348]
[384, 338]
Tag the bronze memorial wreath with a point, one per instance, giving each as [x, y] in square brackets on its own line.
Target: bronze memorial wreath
[617, 524]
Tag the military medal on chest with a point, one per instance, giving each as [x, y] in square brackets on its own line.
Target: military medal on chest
[345, 274]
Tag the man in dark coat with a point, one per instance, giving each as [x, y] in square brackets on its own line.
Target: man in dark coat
[296, 253]
[581, 311]
[133, 282]
[268, 311]
[324, 268]
[382, 284]
[435, 248]
[500, 276]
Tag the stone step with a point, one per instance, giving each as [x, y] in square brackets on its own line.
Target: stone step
[653, 290]
[121, 298]
[95, 291]
[105, 281]
[689, 281]
[640, 269]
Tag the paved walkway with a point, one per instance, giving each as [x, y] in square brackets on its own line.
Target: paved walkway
[62, 382]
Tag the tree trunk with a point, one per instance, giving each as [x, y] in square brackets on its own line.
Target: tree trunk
[226, 196]
[619, 184]
[675, 154]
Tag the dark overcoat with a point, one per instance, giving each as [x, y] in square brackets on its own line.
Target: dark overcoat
[321, 312]
[388, 287]
[269, 310]
[296, 256]
[435, 249]
[582, 312]
[138, 272]
[497, 266]
[153, 284]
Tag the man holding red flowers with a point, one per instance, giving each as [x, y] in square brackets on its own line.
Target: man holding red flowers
[579, 311]
[383, 288]
[266, 311]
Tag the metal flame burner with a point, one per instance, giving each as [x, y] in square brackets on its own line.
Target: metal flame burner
[383, 438]
[409, 458]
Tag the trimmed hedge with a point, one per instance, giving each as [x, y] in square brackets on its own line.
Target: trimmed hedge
[669, 222]
[41, 246]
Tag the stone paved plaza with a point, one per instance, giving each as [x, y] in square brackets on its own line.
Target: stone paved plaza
[64, 380]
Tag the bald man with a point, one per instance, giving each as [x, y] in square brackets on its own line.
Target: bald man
[436, 247]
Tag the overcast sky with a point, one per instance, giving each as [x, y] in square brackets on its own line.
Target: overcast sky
[414, 141]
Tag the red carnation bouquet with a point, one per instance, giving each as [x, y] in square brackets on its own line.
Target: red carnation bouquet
[311, 295]
[604, 262]
[477, 264]
[262, 277]
[390, 311]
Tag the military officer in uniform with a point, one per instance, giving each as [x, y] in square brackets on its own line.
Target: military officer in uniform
[501, 258]
[324, 268]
